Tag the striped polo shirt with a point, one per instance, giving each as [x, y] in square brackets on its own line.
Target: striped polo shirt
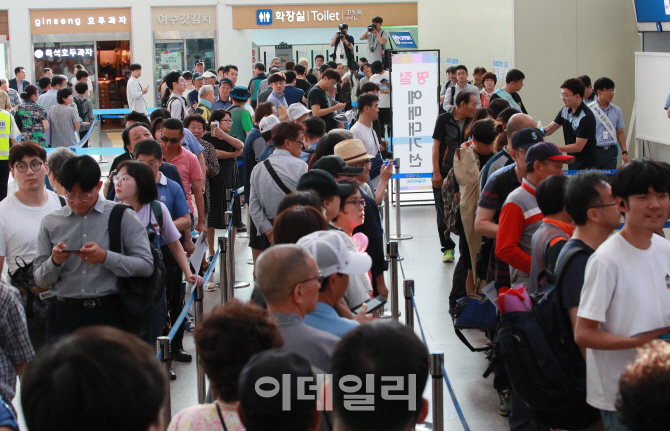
[519, 219]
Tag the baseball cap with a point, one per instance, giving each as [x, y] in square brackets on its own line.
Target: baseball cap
[335, 165]
[268, 123]
[227, 81]
[546, 151]
[201, 61]
[274, 70]
[325, 67]
[197, 75]
[332, 256]
[527, 137]
[260, 409]
[323, 183]
[209, 74]
[297, 110]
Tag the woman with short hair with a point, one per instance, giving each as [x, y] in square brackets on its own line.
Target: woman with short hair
[33, 117]
[64, 120]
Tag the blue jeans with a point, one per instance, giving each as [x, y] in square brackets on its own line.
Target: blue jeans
[611, 421]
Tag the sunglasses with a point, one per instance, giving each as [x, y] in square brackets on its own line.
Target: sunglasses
[165, 139]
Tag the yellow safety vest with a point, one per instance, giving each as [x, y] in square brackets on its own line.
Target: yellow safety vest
[5, 127]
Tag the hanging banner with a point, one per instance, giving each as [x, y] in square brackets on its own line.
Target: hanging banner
[414, 81]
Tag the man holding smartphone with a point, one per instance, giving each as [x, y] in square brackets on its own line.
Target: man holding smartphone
[336, 263]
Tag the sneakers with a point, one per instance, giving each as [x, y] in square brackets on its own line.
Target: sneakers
[448, 256]
[189, 324]
[505, 403]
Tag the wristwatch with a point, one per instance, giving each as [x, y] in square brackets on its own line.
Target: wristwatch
[624, 152]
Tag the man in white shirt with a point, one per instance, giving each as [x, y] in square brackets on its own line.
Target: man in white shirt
[134, 90]
[78, 68]
[451, 93]
[368, 108]
[381, 77]
[21, 212]
[176, 104]
[625, 301]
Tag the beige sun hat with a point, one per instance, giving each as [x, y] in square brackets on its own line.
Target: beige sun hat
[352, 151]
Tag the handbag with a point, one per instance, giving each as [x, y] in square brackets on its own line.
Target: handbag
[474, 311]
[37, 304]
[511, 300]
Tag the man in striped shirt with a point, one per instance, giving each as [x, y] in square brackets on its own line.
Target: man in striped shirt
[134, 90]
[520, 216]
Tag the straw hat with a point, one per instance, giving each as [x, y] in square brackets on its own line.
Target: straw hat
[352, 151]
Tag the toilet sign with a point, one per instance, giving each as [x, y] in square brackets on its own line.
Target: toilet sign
[264, 17]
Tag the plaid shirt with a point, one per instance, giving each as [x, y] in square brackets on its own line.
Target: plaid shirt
[15, 346]
[14, 98]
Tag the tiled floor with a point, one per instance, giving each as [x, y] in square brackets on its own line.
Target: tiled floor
[423, 263]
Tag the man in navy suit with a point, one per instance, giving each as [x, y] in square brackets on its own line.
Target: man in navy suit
[19, 83]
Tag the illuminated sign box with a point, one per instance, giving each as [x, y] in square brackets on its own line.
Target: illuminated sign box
[56, 53]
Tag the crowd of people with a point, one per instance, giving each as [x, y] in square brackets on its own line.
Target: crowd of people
[313, 176]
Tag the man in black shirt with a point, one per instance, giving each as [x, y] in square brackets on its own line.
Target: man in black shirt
[447, 137]
[589, 201]
[319, 101]
[301, 81]
[513, 83]
[579, 125]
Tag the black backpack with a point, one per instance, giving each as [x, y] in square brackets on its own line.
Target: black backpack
[80, 108]
[139, 295]
[544, 365]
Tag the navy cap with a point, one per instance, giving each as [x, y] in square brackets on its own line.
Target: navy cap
[240, 93]
[525, 138]
[324, 184]
[546, 151]
[227, 81]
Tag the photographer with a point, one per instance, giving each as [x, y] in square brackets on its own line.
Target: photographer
[344, 47]
[376, 38]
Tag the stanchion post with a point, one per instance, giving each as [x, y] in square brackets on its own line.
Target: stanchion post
[387, 213]
[398, 233]
[230, 260]
[197, 307]
[436, 359]
[393, 255]
[163, 346]
[408, 288]
[233, 237]
[223, 277]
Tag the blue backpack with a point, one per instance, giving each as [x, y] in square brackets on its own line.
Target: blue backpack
[543, 363]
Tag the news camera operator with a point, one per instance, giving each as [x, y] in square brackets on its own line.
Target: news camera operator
[344, 47]
[376, 38]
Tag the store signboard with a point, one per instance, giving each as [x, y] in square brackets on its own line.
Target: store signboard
[183, 18]
[414, 77]
[320, 15]
[55, 53]
[65, 21]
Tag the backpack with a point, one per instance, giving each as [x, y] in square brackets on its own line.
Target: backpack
[80, 108]
[139, 295]
[542, 361]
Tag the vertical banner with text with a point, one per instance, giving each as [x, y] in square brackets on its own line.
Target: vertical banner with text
[414, 80]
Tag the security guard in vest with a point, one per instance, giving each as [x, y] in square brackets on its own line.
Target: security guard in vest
[8, 134]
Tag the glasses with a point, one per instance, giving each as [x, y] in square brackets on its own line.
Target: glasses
[34, 165]
[119, 180]
[318, 278]
[227, 121]
[71, 197]
[565, 96]
[360, 203]
[603, 205]
[610, 89]
[165, 139]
